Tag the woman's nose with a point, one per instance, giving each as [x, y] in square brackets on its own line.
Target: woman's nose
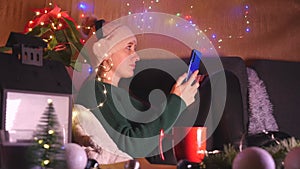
[136, 56]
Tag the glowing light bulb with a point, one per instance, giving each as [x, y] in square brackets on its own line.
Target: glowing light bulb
[59, 15]
[46, 146]
[50, 132]
[82, 6]
[46, 162]
[40, 141]
[49, 101]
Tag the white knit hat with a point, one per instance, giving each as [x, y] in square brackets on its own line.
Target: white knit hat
[112, 35]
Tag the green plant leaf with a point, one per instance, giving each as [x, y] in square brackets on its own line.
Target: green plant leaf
[52, 43]
[5, 49]
[73, 28]
[44, 30]
[35, 31]
[60, 36]
[61, 56]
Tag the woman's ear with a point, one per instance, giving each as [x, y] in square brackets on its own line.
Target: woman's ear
[106, 65]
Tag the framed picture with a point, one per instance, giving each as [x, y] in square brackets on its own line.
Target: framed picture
[22, 112]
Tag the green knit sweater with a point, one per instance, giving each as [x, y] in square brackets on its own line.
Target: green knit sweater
[133, 126]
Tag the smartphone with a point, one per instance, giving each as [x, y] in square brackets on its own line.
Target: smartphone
[194, 64]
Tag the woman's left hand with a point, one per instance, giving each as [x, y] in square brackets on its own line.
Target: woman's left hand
[187, 90]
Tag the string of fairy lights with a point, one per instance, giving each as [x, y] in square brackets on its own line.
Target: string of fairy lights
[218, 39]
[86, 9]
[151, 5]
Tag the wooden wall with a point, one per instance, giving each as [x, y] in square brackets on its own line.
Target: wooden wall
[274, 24]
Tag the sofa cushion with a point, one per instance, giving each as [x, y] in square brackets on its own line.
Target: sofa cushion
[88, 132]
[283, 86]
[235, 65]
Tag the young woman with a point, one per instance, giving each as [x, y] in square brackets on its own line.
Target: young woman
[124, 118]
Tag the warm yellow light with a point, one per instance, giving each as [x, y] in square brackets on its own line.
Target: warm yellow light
[42, 23]
[40, 141]
[37, 13]
[46, 146]
[46, 162]
[59, 15]
[31, 22]
[30, 29]
[60, 25]
[50, 132]
[49, 101]
[74, 114]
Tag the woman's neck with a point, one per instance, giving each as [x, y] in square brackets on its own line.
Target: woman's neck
[112, 81]
[110, 78]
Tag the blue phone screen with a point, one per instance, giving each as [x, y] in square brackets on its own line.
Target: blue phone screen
[194, 62]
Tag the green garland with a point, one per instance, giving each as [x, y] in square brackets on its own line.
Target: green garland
[224, 159]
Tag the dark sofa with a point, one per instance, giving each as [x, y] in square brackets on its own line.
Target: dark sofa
[281, 79]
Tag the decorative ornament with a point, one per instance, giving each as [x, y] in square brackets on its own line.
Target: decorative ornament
[132, 164]
[292, 159]
[253, 157]
[75, 156]
[60, 32]
[185, 164]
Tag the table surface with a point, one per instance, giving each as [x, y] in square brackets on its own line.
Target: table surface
[144, 164]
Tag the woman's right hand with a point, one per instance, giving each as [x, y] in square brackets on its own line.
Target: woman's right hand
[187, 90]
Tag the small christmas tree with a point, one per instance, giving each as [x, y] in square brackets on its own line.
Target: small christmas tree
[47, 151]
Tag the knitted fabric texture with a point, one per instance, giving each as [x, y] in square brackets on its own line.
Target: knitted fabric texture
[261, 109]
